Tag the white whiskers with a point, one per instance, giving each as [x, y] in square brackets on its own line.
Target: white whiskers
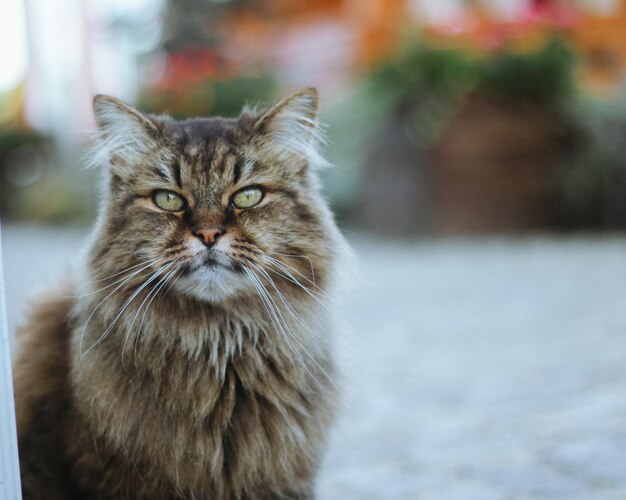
[148, 298]
[126, 280]
[318, 295]
[154, 276]
[148, 262]
[279, 320]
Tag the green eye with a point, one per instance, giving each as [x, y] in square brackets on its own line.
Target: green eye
[168, 200]
[247, 198]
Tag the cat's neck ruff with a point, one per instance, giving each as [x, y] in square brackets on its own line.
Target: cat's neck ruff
[194, 329]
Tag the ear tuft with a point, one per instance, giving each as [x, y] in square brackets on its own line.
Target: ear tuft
[292, 127]
[124, 134]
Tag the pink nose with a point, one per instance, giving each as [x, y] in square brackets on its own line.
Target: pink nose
[209, 235]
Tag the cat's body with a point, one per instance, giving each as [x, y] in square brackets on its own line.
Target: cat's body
[180, 368]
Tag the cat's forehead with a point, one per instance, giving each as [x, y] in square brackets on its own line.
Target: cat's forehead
[201, 137]
[208, 151]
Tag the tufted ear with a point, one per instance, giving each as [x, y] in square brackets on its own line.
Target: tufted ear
[291, 127]
[125, 135]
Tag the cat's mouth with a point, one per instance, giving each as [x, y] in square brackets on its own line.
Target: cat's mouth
[207, 262]
[211, 277]
[211, 261]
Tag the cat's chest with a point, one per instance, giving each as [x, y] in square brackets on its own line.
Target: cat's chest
[188, 419]
[191, 403]
[172, 395]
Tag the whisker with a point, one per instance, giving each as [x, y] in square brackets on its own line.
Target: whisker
[286, 332]
[295, 316]
[152, 294]
[152, 262]
[290, 278]
[263, 294]
[283, 265]
[154, 276]
[120, 272]
[284, 300]
[162, 283]
[299, 257]
[82, 335]
[173, 282]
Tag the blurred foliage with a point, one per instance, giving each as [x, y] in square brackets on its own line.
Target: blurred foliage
[56, 198]
[198, 22]
[592, 177]
[199, 77]
[543, 77]
[422, 68]
[12, 139]
[419, 90]
[421, 85]
[17, 146]
[209, 97]
[430, 81]
[34, 187]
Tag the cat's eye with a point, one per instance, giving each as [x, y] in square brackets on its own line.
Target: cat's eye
[169, 200]
[248, 197]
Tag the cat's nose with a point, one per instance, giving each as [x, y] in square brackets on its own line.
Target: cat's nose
[208, 235]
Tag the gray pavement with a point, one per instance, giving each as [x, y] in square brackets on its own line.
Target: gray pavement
[472, 369]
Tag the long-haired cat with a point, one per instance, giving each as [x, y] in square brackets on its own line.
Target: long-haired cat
[189, 356]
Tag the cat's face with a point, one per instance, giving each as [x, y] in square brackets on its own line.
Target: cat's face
[210, 205]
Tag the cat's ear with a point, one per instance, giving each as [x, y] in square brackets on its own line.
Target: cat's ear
[292, 127]
[125, 134]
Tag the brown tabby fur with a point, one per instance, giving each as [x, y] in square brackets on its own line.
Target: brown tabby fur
[215, 390]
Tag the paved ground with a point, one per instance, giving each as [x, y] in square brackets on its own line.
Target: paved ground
[488, 369]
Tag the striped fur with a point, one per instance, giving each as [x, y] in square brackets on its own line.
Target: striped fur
[174, 370]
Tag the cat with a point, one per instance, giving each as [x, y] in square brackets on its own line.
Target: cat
[189, 355]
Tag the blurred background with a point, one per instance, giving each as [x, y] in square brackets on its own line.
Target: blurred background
[444, 117]
[479, 152]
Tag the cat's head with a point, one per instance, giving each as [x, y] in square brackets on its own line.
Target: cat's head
[211, 205]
